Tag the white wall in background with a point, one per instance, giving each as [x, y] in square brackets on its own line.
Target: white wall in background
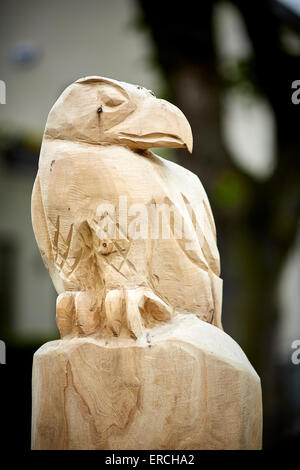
[72, 38]
[44, 46]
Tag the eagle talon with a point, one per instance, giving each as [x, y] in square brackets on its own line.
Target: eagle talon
[76, 314]
[114, 311]
[133, 310]
[65, 313]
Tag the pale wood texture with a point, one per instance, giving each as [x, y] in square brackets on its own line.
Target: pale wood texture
[130, 370]
[86, 161]
[186, 385]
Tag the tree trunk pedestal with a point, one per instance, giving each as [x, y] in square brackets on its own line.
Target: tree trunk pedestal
[184, 385]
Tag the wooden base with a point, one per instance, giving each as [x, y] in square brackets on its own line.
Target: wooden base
[185, 385]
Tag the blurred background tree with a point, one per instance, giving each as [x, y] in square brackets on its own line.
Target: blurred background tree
[229, 66]
[257, 218]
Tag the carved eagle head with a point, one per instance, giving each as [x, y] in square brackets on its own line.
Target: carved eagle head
[103, 111]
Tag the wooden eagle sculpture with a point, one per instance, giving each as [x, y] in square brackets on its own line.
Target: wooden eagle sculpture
[130, 244]
[156, 257]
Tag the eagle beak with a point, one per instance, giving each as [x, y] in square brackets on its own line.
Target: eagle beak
[156, 123]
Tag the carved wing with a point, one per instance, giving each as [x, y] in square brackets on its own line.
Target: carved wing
[40, 226]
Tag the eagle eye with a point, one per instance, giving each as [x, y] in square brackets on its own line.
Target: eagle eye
[112, 98]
